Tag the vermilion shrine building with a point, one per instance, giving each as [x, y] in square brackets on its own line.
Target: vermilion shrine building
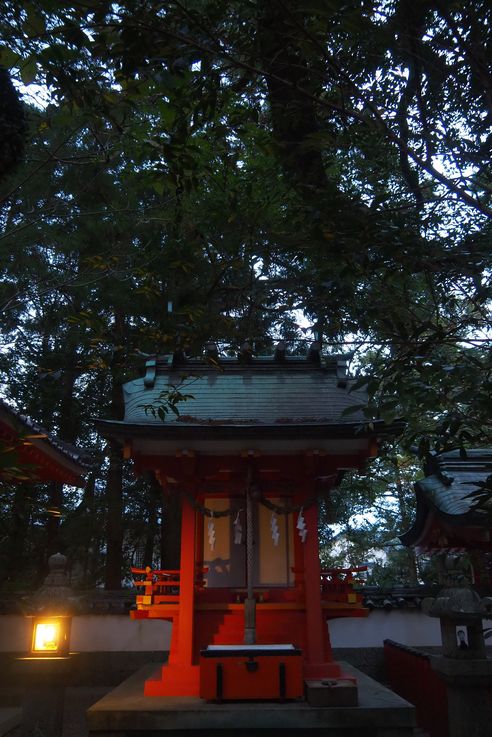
[30, 453]
[249, 454]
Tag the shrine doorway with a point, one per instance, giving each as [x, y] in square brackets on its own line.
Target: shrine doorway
[224, 545]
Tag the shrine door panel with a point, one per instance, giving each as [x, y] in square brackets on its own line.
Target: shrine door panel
[223, 554]
[274, 548]
[224, 545]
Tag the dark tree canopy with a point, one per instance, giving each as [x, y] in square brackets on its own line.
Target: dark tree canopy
[12, 125]
[257, 171]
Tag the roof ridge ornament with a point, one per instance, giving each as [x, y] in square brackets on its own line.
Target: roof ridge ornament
[150, 372]
[280, 352]
[342, 374]
[314, 352]
[211, 350]
[245, 354]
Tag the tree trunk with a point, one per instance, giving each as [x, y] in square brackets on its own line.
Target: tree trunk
[114, 483]
[67, 431]
[55, 504]
[412, 569]
[88, 507]
[293, 112]
[17, 552]
[154, 494]
[114, 526]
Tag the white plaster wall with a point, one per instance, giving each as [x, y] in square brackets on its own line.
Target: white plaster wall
[14, 633]
[111, 633]
[117, 633]
[407, 627]
[410, 627]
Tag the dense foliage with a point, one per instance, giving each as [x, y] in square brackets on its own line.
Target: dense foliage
[246, 171]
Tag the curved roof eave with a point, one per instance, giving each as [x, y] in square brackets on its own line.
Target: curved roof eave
[123, 429]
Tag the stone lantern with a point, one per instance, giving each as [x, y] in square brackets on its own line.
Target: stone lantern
[53, 604]
[45, 669]
[463, 665]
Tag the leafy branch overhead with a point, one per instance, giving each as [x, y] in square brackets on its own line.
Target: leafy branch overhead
[250, 162]
[168, 401]
[228, 171]
[482, 495]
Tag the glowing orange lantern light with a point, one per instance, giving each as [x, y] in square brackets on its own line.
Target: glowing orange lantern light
[50, 636]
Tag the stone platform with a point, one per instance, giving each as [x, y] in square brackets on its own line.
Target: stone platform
[126, 712]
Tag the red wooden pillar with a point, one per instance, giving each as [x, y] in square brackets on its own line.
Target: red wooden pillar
[187, 585]
[181, 675]
[317, 662]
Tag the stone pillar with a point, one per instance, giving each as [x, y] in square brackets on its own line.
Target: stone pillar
[463, 665]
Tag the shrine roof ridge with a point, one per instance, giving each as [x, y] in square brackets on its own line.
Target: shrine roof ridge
[247, 363]
[245, 359]
[458, 461]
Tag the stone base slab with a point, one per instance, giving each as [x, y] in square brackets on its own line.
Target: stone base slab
[126, 712]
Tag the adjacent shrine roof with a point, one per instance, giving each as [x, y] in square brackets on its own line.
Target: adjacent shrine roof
[40, 454]
[442, 496]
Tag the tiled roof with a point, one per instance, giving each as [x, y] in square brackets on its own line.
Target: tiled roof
[452, 477]
[261, 392]
[444, 491]
[23, 424]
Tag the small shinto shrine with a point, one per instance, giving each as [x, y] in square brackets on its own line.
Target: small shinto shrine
[250, 452]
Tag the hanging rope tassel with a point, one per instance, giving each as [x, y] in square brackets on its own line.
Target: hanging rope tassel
[211, 532]
[301, 526]
[238, 529]
[274, 529]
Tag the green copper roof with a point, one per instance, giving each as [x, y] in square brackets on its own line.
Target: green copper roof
[262, 391]
[444, 491]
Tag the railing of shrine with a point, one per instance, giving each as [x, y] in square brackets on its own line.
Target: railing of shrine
[340, 582]
[158, 586]
[410, 675]
[161, 587]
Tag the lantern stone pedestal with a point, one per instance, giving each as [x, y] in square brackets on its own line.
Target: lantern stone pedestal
[464, 666]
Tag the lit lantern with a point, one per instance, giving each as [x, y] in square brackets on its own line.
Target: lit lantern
[51, 636]
[51, 625]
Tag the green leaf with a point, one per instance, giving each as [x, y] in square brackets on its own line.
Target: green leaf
[29, 71]
[8, 57]
[35, 24]
[158, 186]
[352, 409]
